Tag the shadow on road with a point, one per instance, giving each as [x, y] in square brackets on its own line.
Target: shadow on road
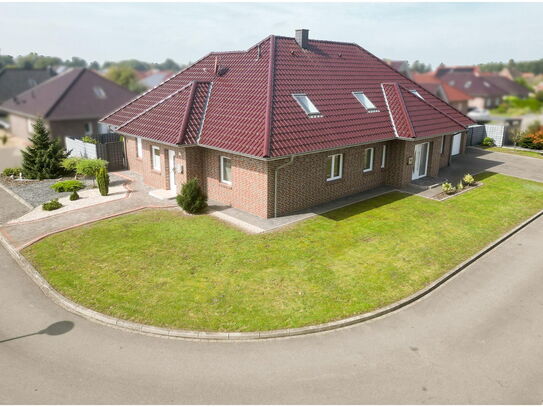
[58, 328]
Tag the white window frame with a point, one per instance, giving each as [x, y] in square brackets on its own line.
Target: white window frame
[88, 131]
[155, 160]
[99, 92]
[309, 108]
[442, 144]
[372, 154]
[384, 156]
[139, 148]
[223, 160]
[30, 125]
[365, 101]
[334, 157]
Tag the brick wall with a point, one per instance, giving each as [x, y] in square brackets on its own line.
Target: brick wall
[303, 183]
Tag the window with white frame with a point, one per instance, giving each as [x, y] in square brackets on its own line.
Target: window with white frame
[334, 167]
[368, 159]
[30, 125]
[306, 104]
[88, 128]
[365, 101]
[384, 156]
[226, 170]
[442, 144]
[416, 93]
[139, 148]
[155, 158]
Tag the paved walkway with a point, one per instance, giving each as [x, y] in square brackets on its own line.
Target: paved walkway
[23, 234]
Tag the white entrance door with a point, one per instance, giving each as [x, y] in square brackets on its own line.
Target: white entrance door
[420, 167]
[171, 165]
[457, 138]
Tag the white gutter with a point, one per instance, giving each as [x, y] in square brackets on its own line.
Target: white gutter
[275, 180]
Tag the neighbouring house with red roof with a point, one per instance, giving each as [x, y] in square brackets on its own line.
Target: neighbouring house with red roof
[288, 124]
[453, 96]
[70, 103]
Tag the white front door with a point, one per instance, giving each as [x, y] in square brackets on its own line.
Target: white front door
[457, 139]
[171, 165]
[420, 167]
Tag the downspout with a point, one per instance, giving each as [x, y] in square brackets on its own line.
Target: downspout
[275, 180]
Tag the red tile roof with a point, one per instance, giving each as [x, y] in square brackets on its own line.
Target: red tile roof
[69, 96]
[249, 109]
[430, 82]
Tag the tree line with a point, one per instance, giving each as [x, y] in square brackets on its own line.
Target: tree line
[36, 61]
[535, 66]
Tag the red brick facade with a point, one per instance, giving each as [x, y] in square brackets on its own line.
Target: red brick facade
[301, 183]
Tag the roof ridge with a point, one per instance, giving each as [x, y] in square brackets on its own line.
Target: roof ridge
[404, 108]
[269, 103]
[433, 107]
[389, 111]
[157, 103]
[188, 109]
[72, 83]
[151, 89]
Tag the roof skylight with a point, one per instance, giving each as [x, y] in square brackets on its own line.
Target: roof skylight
[467, 84]
[306, 104]
[416, 93]
[486, 84]
[364, 100]
[99, 92]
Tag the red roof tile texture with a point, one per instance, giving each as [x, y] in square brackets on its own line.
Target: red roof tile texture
[248, 106]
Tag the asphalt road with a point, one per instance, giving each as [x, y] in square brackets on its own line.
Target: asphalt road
[477, 339]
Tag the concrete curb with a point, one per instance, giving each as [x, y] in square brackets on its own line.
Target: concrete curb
[15, 196]
[237, 336]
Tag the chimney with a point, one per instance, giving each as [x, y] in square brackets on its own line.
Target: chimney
[302, 38]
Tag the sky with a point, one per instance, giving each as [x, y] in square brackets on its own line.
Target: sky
[452, 33]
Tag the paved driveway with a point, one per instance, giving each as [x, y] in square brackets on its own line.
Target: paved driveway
[477, 160]
[477, 339]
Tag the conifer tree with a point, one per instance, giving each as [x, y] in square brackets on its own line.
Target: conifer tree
[42, 159]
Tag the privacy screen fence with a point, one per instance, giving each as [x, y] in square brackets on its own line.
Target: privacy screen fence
[109, 147]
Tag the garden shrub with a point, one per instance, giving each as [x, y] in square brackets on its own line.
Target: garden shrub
[70, 164]
[90, 166]
[8, 172]
[51, 205]
[459, 186]
[488, 142]
[192, 199]
[88, 139]
[534, 140]
[102, 179]
[468, 180]
[74, 196]
[67, 186]
[448, 188]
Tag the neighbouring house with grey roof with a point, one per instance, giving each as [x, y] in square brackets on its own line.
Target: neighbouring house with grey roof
[16, 80]
[70, 103]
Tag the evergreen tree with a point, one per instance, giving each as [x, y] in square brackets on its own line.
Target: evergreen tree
[42, 159]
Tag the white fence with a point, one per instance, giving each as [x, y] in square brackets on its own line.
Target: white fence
[478, 133]
[79, 148]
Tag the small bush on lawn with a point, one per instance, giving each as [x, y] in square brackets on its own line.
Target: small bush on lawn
[68, 186]
[468, 180]
[102, 179]
[51, 205]
[8, 172]
[74, 196]
[488, 142]
[448, 188]
[192, 199]
[87, 139]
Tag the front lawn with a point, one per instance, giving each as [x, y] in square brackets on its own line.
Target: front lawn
[535, 153]
[162, 268]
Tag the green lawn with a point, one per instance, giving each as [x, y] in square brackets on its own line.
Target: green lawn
[535, 153]
[194, 272]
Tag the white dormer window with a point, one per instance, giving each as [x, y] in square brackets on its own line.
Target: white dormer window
[364, 101]
[99, 92]
[467, 84]
[306, 104]
[416, 93]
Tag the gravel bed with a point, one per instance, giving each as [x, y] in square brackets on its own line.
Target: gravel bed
[37, 192]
